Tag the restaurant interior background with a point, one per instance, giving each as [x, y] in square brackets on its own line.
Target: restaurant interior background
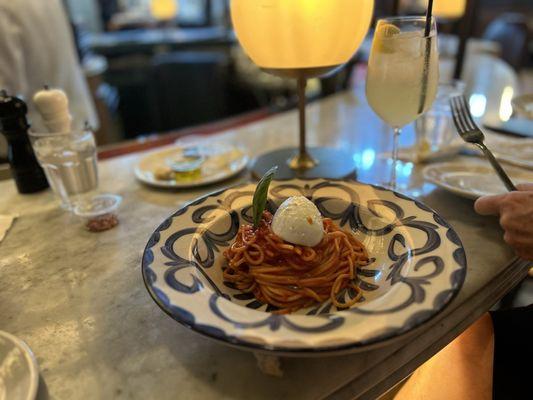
[183, 71]
[156, 70]
[158, 73]
[162, 70]
[180, 69]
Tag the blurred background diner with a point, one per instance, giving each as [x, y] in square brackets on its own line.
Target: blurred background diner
[155, 66]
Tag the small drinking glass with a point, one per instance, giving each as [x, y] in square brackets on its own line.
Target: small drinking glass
[403, 72]
[69, 161]
[435, 129]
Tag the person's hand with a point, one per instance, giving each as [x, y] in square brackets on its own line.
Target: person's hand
[516, 217]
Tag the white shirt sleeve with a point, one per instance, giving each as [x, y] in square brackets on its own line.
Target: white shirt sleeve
[12, 63]
[37, 48]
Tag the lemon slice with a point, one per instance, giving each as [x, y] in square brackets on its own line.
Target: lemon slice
[384, 32]
[388, 30]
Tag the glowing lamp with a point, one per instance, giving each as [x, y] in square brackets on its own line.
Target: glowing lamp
[301, 39]
[296, 34]
[450, 9]
[164, 10]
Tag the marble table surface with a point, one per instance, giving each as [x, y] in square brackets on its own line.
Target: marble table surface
[78, 300]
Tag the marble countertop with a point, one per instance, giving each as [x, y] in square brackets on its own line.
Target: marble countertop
[78, 299]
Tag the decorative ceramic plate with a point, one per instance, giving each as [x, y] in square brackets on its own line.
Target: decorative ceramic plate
[417, 266]
[473, 180]
[19, 374]
[221, 162]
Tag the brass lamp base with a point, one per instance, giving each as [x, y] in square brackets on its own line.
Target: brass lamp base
[328, 163]
[302, 161]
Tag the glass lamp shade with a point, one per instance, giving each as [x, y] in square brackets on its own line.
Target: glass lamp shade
[449, 8]
[164, 10]
[301, 34]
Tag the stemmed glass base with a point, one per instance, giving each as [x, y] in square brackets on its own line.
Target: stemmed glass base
[393, 183]
[413, 189]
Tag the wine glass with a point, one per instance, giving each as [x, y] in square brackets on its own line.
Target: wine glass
[403, 74]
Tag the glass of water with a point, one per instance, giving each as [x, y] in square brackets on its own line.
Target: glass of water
[70, 163]
[435, 130]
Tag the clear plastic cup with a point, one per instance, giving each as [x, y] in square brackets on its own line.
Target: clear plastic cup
[98, 213]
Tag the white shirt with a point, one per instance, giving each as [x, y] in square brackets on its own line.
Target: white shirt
[37, 48]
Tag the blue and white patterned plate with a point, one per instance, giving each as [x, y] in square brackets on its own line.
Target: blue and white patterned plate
[418, 266]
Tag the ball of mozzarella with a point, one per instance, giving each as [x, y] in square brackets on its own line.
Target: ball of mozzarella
[298, 221]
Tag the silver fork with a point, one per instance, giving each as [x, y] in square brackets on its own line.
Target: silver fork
[470, 133]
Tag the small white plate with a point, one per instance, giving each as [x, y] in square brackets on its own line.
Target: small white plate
[473, 180]
[19, 373]
[222, 162]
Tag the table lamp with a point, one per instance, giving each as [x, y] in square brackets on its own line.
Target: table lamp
[164, 10]
[302, 39]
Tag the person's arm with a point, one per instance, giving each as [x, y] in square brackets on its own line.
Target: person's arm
[516, 217]
[462, 370]
[12, 63]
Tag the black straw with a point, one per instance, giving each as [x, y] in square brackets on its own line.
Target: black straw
[427, 57]
[429, 15]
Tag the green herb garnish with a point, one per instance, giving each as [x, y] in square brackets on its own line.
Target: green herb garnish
[261, 195]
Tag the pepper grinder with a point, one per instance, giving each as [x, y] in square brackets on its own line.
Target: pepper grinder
[28, 174]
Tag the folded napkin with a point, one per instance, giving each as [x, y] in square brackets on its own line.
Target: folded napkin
[515, 151]
[5, 223]
[415, 155]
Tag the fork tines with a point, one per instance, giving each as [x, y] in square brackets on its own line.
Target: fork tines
[462, 117]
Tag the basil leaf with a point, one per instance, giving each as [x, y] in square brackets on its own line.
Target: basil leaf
[261, 195]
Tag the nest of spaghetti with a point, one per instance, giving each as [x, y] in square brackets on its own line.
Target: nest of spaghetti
[290, 277]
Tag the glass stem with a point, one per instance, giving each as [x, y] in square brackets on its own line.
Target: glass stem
[395, 145]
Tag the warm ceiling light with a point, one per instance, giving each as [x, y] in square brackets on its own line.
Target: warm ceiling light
[164, 10]
[296, 34]
[449, 9]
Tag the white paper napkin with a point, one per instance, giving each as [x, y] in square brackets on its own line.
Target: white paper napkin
[412, 154]
[5, 223]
